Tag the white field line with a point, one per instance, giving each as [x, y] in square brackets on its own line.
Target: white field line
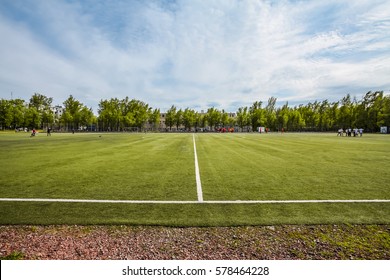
[194, 201]
[197, 174]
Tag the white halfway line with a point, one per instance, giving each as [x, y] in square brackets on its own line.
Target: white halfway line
[194, 201]
[197, 174]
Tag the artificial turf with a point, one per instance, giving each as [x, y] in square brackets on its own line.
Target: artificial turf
[160, 167]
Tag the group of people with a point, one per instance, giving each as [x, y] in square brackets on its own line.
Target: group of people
[34, 132]
[349, 132]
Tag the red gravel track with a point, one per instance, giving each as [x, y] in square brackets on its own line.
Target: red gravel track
[127, 242]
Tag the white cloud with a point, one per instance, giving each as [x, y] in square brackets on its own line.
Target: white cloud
[197, 53]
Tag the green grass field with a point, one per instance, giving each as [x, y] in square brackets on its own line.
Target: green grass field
[86, 166]
[294, 166]
[160, 167]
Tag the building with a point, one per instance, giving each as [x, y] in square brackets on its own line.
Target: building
[58, 111]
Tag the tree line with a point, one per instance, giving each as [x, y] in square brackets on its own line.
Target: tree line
[370, 113]
[39, 113]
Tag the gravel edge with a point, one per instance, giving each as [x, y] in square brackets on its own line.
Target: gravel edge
[279, 242]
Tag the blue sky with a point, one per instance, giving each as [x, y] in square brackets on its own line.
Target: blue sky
[197, 54]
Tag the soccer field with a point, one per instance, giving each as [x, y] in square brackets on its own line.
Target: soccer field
[294, 167]
[194, 179]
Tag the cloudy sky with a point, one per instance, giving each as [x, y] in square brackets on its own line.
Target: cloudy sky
[194, 53]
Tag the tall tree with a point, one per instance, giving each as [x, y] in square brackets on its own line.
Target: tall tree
[213, 117]
[257, 115]
[106, 118]
[374, 106]
[283, 117]
[198, 120]
[86, 117]
[224, 119]
[189, 118]
[154, 119]
[384, 118]
[179, 118]
[141, 111]
[76, 115]
[126, 114]
[5, 114]
[170, 117]
[345, 112]
[270, 113]
[71, 114]
[295, 121]
[18, 110]
[243, 118]
[43, 106]
[32, 118]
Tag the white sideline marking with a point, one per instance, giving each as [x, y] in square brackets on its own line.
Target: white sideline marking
[197, 174]
[194, 201]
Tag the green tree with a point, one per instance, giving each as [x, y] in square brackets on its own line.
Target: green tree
[141, 112]
[189, 118]
[333, 115]
[126, 113]
[345, 112]
[325, 120]
[154, 119]
[33, 118]
[311, 116]
[257, 115]
[224, 118]
[203, 120]
[18, 111]
[43, 106]
[282, 117]
[5, 114]
[106, 118]
[295, 121]
[170, 117]
[198, 120]
[179, 118]
[67, 120]
[384, 117]
[374, 103]
[232, 121]
[86, 117]
[76, 115]
[213, 117]
[270, 113]
[243, 117]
